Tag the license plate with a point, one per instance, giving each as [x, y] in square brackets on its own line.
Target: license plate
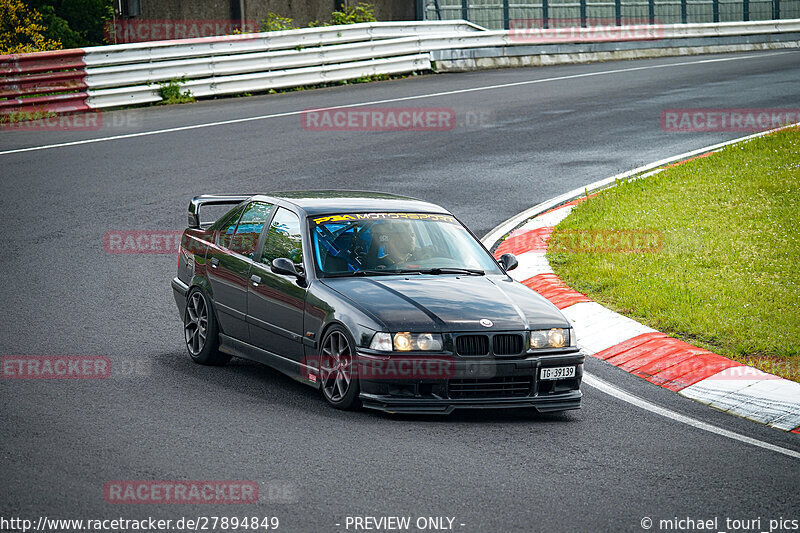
[557, 372]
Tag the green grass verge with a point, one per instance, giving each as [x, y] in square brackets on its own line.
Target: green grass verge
[727, 277]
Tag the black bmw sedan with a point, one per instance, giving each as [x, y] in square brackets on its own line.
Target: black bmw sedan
[377, 300]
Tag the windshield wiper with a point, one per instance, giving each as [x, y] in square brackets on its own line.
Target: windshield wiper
[371, 273]
[433, 271]
[452, 270]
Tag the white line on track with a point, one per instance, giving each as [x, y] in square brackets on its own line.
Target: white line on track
[386, 101]
[620, 394]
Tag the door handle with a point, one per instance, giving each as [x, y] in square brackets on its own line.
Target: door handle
[214, 262]
[255, 279]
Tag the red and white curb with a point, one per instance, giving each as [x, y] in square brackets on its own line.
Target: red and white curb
[693, 372]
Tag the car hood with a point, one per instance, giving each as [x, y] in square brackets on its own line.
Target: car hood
[449, 303]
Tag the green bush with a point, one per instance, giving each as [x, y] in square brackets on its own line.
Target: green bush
[171, 93]
[275, 22]
[361, 12]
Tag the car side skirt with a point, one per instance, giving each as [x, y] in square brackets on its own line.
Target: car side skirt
[293, 369]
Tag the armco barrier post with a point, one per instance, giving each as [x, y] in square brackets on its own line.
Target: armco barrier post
[545, 14]
[583, 13]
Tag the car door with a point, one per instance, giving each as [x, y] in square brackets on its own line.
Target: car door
[275, 302]
[229, 261]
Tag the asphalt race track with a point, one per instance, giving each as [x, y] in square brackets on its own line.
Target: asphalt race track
[603, 468]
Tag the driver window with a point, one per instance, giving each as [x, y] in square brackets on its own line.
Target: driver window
[284, 238]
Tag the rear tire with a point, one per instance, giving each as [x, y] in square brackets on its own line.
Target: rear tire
[337, 369]
[200, 330]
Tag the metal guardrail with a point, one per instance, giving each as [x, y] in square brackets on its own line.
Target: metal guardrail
[107, 76]
[129, 74]
[268, 41]
[502, 14]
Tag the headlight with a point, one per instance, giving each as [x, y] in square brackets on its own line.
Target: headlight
[381, 342]
[539, 339]
[404, 341]
[426, 342]
[550, 338]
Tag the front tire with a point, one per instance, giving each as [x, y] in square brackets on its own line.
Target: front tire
[337, 369]
[200, 330]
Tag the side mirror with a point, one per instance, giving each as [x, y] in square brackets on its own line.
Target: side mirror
[509, 261]
[286, 267]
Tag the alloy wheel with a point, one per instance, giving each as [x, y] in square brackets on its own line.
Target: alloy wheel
[336, 366]
[196, 323]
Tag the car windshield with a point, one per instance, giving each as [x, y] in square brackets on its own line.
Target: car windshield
[388, 243]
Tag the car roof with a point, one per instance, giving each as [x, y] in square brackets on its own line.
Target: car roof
[329, 201]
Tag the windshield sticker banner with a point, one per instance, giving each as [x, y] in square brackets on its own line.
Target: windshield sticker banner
[385, 216]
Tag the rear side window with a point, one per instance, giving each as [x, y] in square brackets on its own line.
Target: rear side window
[227, 227]
[284, 238]
[249, 229]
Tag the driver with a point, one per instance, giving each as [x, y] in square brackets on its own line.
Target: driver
[396, 244]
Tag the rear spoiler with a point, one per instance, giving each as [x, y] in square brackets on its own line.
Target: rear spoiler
[212, 199]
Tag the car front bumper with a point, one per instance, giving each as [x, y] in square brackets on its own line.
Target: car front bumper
[475, 384]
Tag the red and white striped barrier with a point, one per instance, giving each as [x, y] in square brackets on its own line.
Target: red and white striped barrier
[693, 372]
[57, 75]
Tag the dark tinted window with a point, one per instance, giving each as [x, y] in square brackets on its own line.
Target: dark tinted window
[249, 229]
[227, 226]
[284, 238]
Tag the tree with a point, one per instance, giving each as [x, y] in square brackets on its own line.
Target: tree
[76, 23]
[22, 30]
